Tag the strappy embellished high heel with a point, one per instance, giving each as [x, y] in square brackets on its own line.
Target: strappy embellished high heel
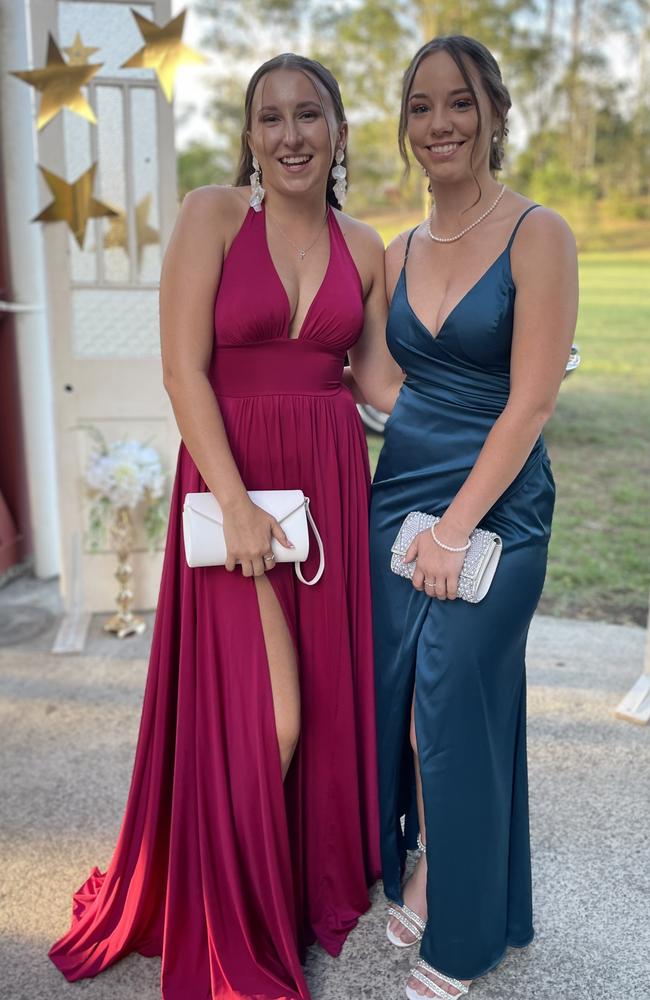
[420, 973]
[407, 917]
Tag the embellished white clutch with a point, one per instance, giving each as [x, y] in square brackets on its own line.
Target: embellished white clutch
[480, 563]
[204, 540]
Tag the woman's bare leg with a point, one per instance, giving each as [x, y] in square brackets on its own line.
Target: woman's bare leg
[415, 890]
[283, 671]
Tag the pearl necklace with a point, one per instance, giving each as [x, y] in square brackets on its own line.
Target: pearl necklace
[299, 250]
[452, 239]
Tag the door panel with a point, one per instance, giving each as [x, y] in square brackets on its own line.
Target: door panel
[103, 298]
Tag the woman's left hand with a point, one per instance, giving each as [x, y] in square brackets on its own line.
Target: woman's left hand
[437, 571]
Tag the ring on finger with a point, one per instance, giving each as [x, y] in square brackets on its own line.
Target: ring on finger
[269, 557]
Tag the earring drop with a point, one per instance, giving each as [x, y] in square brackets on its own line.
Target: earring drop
[339, 173]
[257, 191]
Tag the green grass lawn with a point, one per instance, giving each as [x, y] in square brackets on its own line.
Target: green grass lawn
[599, 442]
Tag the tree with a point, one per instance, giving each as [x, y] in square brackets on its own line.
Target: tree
[198, 165]
[582, 138]
[367, 44]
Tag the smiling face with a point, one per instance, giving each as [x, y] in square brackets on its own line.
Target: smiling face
[442, 118]
[293, 131]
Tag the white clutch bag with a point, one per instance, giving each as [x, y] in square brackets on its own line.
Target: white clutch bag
[203, 535]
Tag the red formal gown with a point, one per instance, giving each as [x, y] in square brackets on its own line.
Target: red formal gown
[220, 868]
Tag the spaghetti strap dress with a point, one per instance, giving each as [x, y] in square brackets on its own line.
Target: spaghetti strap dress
[220, 868]
[464, 662]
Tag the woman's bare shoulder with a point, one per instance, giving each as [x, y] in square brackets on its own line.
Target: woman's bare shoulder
[367, 249]
[208, 220]
[545, 224]
[214, 201]
[359, 234]
[544, 242]
[541, 226]
[396, 249]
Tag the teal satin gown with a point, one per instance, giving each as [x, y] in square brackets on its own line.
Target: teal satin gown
[466, 663]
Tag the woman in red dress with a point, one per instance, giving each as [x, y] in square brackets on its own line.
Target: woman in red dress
[251, 825]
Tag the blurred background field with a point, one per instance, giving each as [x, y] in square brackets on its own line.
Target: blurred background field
[579, 77]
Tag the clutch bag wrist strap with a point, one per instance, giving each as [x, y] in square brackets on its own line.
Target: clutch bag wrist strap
[321, 552]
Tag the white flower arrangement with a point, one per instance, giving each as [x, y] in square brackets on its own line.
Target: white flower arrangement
[124, 474]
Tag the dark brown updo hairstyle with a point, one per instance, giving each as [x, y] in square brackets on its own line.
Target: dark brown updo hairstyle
[461, 48]
[311, 68]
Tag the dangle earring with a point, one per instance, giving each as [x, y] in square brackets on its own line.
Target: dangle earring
[257, 191]
[339, 173]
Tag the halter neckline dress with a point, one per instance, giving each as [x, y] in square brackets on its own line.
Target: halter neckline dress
[219, 867]
[464, 662]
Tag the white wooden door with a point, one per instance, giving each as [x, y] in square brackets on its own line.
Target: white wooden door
[103, 299]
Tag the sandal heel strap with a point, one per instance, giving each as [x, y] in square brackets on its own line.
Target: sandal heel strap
[414, 917]
[456, 983]
[405, 922]
[430, 985]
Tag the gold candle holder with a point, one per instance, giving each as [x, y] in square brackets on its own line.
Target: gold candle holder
[124, 622]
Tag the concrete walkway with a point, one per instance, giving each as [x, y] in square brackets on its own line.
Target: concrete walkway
[69, 725]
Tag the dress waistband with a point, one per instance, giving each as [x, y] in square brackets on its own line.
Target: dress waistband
[276, 367]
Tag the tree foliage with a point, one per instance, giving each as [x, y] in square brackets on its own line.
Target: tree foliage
[581, 134]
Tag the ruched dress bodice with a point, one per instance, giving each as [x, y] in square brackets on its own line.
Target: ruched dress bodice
[254, 354]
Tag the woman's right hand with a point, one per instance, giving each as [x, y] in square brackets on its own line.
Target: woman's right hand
[248, 531]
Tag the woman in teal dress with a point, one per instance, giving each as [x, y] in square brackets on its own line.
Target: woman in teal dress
[483, 309]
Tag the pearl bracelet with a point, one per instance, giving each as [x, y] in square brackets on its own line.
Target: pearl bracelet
[448, 548]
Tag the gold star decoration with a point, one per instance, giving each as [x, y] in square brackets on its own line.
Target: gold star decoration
[73, 203]
[78, 53]
[163, 50]
[60, 84]
[145, 234]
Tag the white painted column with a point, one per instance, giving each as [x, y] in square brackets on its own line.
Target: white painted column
[27, 287]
